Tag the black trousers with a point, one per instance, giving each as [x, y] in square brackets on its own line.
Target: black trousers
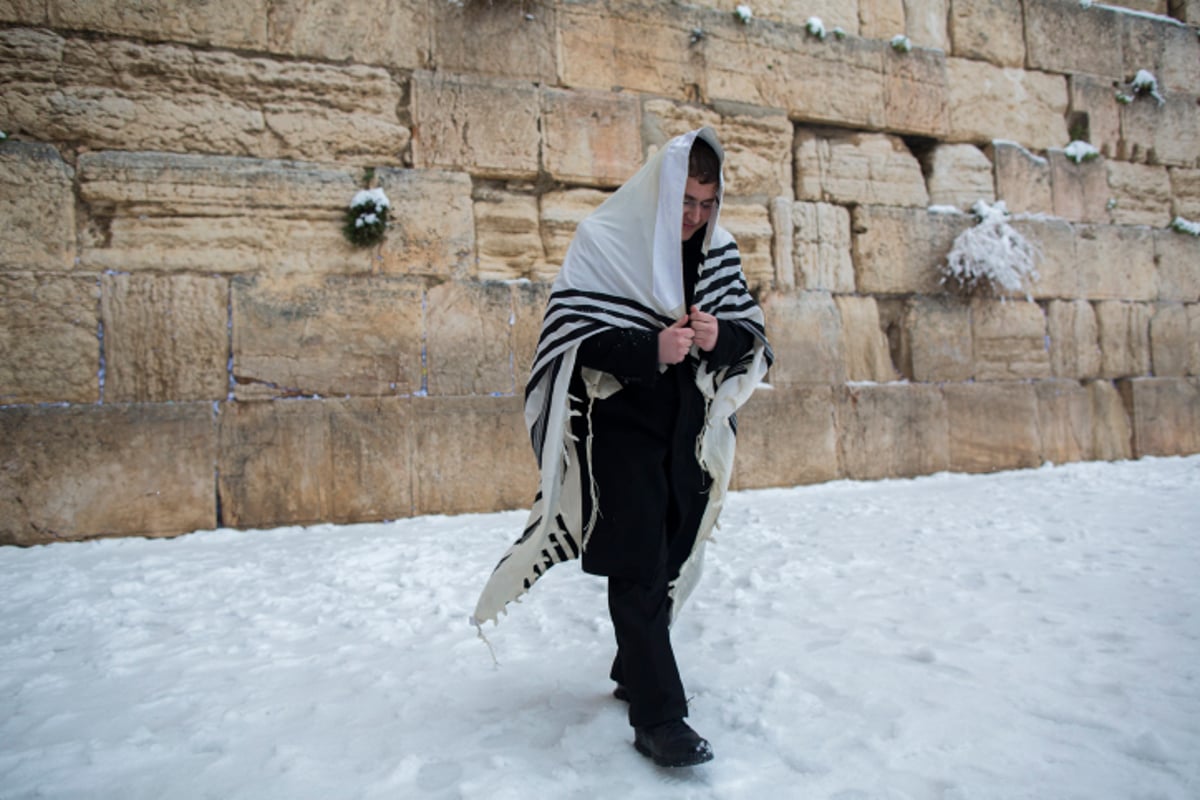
[645, 663]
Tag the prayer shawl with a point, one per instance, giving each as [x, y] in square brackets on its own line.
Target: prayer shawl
[624, 268]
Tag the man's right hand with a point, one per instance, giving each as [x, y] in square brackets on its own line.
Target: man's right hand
[675, 341]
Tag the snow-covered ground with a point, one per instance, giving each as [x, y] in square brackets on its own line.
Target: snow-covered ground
[1028, 634]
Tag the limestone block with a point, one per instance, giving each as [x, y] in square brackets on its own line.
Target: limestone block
[993, 426]
[392, 33]
[1064, 420]
[935, 340]
[330, 336]
[82, 471]
[1074, 339]
[30, 12]
[1022, 179]
[590, 137]
[488, 127]
[926, 22]
[1009, 340]
[988, 102]
[1138, 194]
[857, 168]
[915, 91]
[1063, 36]
[898, 250]
[1170, 341]
[472, 454]
[781, 222]
[223, 23]
[750, 224]
[864, 343]
[959, 175]
[1193, 312]
[820, 247]
[467, 35]
[1112, 433]
[468, 339]
[1164, 47]
[805, 332]
[988, 30]
[298, 462]
[1124, 334]
[1177, 255]
[1054, 243]
[561, 213]
[1095, 114]
[1115, 262]
[37, 208]
[842, 14]
[432, 228]
[1080, 190]
[1165, 414]
[1186, 10]
[892, 431]
[1162, 134]
[166, 337]
[529, 308]
[786, 437]
[48, 330]
[880, 19]
[507, 227]
[1185, 193]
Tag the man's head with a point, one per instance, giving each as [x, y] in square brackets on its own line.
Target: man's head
[700, 194]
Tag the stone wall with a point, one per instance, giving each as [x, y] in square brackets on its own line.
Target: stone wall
[189, 342]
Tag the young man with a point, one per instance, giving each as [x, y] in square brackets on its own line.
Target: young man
[649, 345]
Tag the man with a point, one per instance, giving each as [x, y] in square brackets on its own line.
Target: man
[649, 345]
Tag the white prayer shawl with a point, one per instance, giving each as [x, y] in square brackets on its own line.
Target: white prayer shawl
[624, 268]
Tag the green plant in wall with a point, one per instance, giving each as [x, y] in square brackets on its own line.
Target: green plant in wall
[1181, 225]
[901, 44]
[366, 219]
[990, 256]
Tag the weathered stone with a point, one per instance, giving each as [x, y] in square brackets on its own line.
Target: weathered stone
[336, 336]
[485, 127]
[1022, 179]
[959, 175]
[166, 337]
[1064, 420]
[468, 339]
[1138, 194]
[1074, 339]
[298, 462]
[1062, 36]
[842, 14]
[1112, 434]
[988, 30]
[864, 343]
[857, 168]
[561, 213]
[471, 454]
[892, 431]
[926, 22]
[786, 437]
[1185, 10]
[987, 102]
[432, 229]
[1168, 50]
[1193, 312]
[1177, 255]
[993, 426]
[529, 308]
[464, 34]
[782, 247]
[820, 247]
[1079, 189]
[806, 335]
[750, 225]
[898, 250]
[935, 341]
[25, 12]
[1009, 339]
[224, 23]
[37, 208]
[392, 33]
[1095, 116]
[1124, 335]
[1115, 262]
[48, 329]
[78, 472]
[1165, 415]
[1185, 193]
[915, 92]
[507, 229]
[1054, 243]
[1170, 341]
[1162, 134]
[880, 19]
[590, 137]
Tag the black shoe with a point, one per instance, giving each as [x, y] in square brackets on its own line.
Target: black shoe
[672, 744]
[621, 693]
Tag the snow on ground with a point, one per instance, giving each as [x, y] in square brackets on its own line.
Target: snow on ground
[1030, 634]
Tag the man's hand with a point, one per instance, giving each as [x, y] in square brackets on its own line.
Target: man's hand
[706, 328]
[675, 341]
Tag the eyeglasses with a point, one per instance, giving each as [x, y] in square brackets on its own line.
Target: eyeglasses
[691, 204]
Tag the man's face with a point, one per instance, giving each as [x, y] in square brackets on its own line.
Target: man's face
[699, 200]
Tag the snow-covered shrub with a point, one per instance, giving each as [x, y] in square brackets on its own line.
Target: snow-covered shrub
[901, 44]
[3, 136]
[1080, 151]
[990, 256]
[1144, 83]
[815, 27]
[367, 217]
[839, 33]
[1182, 225]
[744, 14]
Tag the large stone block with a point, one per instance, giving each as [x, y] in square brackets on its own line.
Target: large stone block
[1074, 339]
[1054, 244]
[37, 208]
[893, 431]
[820, 247]
[463, 34]
[1164, 47]
[786, 437]
[1095, 116]
[898, 250]
[468, 339]
[993, 426]
[1064, 420]
[488, 127]
[1186, 10]
[299, 462]
[988, 102]
[864, 343]
[988, 30]
[1115, 262]
[471, 454]
[1124, 334]
[1009, 339]
[590, 137]
[935, 340]
[1185, 193]
[1193, 312]
[750, 225]
[926, 22]
[223, 23]
[432, 228]
[1138, 194]
[1064, 36]
[1162, 134]
[857, 168]
[1080, 189]
[561, 213]
[842, 14]
[1112, 432]
[1165, 414]
[958, 176]
[1171, 341]
[806, 335]
[1022, 179]
[166, 337]
[757, 144]
[48, 334]
[508, 234]
[880, 19]
[915, 92]
[333, 336]
[391, 33]
[1177, 255]
[78, 472]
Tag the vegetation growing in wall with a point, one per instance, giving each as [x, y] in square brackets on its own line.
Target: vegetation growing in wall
[991, 256]
[366, 218]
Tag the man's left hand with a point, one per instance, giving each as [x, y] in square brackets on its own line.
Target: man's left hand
[705, 327]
